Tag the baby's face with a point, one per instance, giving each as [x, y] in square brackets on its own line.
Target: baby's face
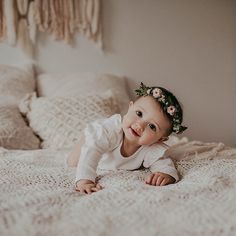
[145, 123]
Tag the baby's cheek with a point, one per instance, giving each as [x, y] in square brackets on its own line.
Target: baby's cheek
[127, 121]
[147, 139]
[150, 138]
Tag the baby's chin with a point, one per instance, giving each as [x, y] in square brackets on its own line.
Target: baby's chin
[136, 140]
[143, 142]
[130, 135]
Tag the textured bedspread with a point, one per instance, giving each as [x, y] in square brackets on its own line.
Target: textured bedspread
[37, 196]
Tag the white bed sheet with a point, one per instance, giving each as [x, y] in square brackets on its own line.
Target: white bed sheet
[38, 198]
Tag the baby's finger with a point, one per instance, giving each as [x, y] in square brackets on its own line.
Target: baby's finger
[77, 188]
[159, 180]
[149, 179]
[81, 190]
[88, 190]
[154, 179]
[89, 187]
[95, 189]
[165, 181]
[99, 186]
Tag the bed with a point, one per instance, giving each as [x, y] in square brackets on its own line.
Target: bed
[37, 188]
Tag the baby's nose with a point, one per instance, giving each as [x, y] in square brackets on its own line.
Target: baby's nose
[139, 127]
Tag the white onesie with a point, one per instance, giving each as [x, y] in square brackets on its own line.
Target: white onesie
[103, 140]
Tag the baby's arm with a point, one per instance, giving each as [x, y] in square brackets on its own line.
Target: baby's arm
[99, 137]
[83, 185]
[73, 158]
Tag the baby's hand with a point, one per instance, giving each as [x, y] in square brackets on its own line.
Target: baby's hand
[87, 186]
[159, 179]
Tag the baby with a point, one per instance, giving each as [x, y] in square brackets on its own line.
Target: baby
[127, 143]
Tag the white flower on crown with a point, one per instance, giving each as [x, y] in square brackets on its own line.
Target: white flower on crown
[148, 91]
[156, 93]
[171, 110]
[176, 128]
[162, 98]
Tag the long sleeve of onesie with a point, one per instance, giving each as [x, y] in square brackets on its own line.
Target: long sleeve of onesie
[100, 136]
[156, 160]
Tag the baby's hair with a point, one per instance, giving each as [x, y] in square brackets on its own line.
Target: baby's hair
[169, 104]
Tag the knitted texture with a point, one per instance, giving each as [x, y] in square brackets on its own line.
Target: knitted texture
[38, 198]
[14, 132]
[59, 121]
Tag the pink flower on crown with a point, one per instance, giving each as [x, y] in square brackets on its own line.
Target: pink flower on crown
[171, 110]
[156, 93]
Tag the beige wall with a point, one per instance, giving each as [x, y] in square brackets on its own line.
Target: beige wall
[187, 46]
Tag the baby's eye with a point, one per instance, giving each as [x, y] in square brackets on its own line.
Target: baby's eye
[139, 113]
[152, 127]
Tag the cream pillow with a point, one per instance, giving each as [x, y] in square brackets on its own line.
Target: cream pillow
[52, 85]
[14, 133]
[58, 121]
[15, 83]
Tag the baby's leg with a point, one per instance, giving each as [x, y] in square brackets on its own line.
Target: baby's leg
[73, 158]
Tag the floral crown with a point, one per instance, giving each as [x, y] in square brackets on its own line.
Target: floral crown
[165, 98]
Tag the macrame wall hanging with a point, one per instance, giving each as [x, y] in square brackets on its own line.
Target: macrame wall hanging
[21, 20]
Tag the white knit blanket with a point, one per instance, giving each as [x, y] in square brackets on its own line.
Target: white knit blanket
[37, 196]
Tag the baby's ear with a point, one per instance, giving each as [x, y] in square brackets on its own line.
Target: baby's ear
[131, 103]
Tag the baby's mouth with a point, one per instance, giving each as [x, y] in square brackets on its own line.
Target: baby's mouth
[133, 132]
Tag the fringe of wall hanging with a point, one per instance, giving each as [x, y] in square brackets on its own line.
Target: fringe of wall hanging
[21, 20]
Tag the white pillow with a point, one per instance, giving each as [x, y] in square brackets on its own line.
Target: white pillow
[15, 83]
[50, 85]
[59, 121]
[14, 133]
